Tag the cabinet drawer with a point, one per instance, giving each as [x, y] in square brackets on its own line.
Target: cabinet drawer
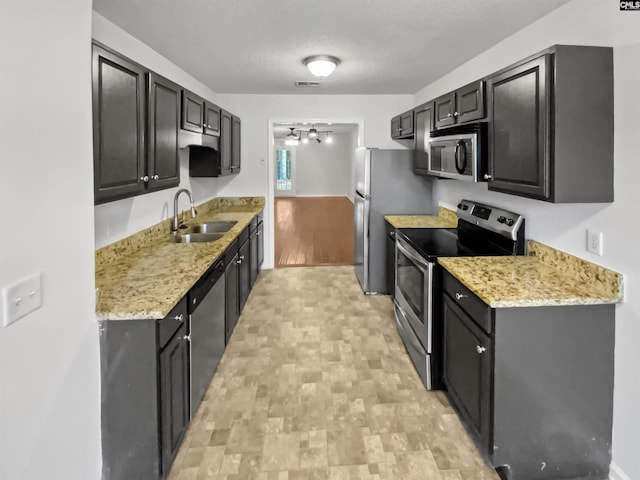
[469, 302]
[171, 323]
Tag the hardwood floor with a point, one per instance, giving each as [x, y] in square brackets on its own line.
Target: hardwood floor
[312, 231]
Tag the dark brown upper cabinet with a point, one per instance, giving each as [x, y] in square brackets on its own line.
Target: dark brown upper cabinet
[164, 124]
[423, 128]
[465, 104]
[192, 112]
[119, 119]
[199, 115]
[223, 157]
[236, 126]
[551, 126]
[211, 119]
[402, 125]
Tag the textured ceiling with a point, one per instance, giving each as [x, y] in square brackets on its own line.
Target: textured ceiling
[386, 46]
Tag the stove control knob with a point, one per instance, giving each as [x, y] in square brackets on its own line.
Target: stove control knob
[510, 222]
[502, 219]
[463, 206]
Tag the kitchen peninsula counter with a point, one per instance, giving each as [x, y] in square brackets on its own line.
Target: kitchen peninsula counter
[545, 277]
[445, 219]
[145, 275]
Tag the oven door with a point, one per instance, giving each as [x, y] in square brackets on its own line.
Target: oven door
[414, 280]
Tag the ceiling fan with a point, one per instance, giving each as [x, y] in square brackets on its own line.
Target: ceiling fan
[313, 133]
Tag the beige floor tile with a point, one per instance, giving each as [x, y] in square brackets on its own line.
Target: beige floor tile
[316, 384]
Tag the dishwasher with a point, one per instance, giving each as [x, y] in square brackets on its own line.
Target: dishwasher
[206, 330]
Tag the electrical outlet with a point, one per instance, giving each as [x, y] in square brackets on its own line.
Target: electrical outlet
[594, 242]
[21, 298]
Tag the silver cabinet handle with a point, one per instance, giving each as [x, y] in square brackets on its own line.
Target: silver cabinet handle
[241, 257]
[460, 296]
[455, 114]
[448, 115]
[145, 178]
[393, 234]
[480, 349]
[155, 177]
[257, 234]
[179, 318]
[488, 177]
[187, 338]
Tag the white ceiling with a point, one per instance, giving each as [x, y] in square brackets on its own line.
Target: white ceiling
[257, 46]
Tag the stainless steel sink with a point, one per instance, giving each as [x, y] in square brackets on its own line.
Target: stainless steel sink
[197, 237]
[213, 227]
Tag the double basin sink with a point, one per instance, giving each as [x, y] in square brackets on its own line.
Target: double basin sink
[204, 232]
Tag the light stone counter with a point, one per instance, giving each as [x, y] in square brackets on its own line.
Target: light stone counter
[445, 219]
[544, 277]
[145, 275]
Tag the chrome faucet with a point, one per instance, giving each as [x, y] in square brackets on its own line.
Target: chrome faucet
[175, 225]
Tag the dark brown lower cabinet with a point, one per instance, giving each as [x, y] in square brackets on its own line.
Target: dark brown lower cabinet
[174, 395]
[533, 385]
[260, 234]
[391, 259]
[145, 394]
[244, 274]
[232, 289]
[253, 257]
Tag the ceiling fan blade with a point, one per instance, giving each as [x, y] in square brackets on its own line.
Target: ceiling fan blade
[318, 140]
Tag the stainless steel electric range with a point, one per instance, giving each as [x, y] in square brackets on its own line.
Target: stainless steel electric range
[483, 230]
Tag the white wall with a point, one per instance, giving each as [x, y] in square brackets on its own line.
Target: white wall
[116, 220]
[323, 169]
[258, 112]
[49, 362]
[586, 22]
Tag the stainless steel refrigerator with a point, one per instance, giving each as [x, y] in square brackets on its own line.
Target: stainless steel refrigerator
[385, 185]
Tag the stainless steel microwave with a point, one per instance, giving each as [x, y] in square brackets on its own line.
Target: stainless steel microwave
[458, 152]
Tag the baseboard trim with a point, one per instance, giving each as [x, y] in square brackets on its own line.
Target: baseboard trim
[616, 473]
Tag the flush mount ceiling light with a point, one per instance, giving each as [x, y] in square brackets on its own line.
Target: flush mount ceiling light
[321, 65]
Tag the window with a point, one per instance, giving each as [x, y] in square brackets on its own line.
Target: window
[283, 170]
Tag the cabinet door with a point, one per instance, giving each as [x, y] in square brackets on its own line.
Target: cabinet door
[211, 119]
[395, 127]
[164, 125]
[423, 127]
[519, 130]
[444, 109]
[260, 235]
[391, 260]
[470, 102]
[174, 396]
[118, 126]
[467, 369]
[233, 297]
[226, 136]
[236, 128]
[244, 273]
[192, 112]
[406, 123]
[253, 257]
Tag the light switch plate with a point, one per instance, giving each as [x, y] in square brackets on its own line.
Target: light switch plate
[21, 298]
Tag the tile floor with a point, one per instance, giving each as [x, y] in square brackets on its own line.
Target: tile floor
[316, 384]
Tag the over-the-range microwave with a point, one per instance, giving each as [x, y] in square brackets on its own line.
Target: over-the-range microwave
[458, 152]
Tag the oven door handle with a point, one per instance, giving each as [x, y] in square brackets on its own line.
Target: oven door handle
[411, 254]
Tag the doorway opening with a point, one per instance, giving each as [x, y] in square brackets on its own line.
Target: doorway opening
[313, 192]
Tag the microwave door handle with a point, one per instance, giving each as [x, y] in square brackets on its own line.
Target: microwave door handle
[461, 160]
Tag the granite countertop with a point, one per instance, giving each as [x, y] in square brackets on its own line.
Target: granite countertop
[445, 219]
[545, 277]
[147, 282]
